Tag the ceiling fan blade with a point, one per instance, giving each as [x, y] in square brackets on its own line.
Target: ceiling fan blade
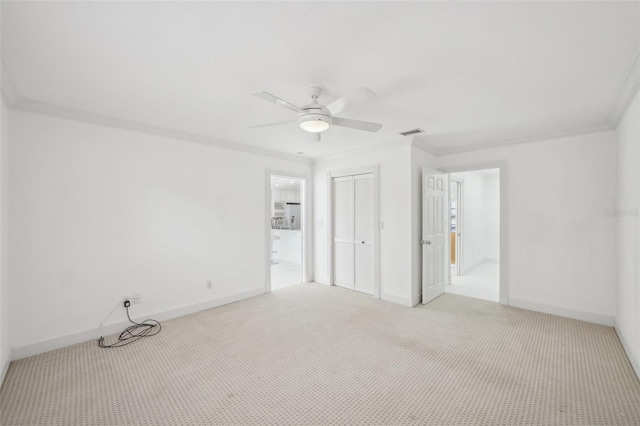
[361, 95]
[316, 137]
[258, 126]
[357, 124]
[276, 100]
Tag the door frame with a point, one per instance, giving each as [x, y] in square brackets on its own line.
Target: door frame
[373, 169]
[305, 225]
[459, 222]
[503, 166]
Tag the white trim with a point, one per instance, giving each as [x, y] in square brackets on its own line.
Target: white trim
[352, 172]
[423, 145]
[627, 91]
[459, 224]
[473, 266]
[562, 312]
[267, 225]
[94, 333]
[634, 360]
[376, 232]
[329, 226]
[9, 92]
[43, 108]
[503, 166]
[4, 367]
[397, 300]
[518, 140]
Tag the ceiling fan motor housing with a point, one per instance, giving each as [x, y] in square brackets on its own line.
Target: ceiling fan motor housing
[315, 118]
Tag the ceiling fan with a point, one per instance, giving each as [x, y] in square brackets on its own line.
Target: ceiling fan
[316, 118]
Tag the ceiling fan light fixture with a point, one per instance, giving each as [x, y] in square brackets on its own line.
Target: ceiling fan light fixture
[314, 123]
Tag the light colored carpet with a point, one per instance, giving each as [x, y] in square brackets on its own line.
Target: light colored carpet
[311, 354]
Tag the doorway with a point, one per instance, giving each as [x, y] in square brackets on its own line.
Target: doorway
[465, 217]
[455, 225]
[286, 231]
[475, 234]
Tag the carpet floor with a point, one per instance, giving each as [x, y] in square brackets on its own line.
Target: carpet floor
[312, 354]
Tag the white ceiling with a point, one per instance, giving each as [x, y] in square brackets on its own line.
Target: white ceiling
[285, 183]
[466, 73]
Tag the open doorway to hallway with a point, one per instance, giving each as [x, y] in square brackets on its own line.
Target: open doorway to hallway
[287, 195]
[474, 234]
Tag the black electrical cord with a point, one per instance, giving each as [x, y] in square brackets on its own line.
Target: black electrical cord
[146, 328]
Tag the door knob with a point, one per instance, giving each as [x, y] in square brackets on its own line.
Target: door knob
[427, 242]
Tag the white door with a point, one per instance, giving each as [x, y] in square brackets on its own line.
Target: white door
[363, 232]
[353, 232]
[434, 234]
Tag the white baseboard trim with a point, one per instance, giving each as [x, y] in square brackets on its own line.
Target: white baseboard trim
[4, 368]
[562, 312]
[396, 299]
[466, 270]
[94, 333]
[634, 360]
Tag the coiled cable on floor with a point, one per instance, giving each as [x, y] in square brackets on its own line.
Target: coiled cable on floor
[146, 328]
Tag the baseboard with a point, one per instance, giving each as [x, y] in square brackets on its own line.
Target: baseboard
[396, 299]
[562, 312]
[4, 368]
[634, 360]
[94, 333]
[466, 270]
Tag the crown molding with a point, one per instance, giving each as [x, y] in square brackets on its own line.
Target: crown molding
[539, 137]
[30, 105]
[395, 143]
[425, 146]
[9, 92]
[627, 91]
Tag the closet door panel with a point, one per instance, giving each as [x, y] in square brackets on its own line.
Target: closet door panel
[363, 233]
[343, 253]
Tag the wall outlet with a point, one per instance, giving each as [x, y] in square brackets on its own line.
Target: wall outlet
[137, 298]
[209, 285]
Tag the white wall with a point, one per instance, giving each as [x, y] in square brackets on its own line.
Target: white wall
[561, 247]
[5, 348]
[99, 213]
[395, 202]
[491, 214]
[626, 219]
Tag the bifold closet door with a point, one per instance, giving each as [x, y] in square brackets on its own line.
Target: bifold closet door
[363, 232]
[353, 232]
[343, 255]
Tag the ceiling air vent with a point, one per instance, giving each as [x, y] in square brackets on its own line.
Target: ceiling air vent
[412, 132]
